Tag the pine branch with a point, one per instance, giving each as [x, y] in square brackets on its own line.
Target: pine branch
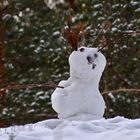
[134, 90]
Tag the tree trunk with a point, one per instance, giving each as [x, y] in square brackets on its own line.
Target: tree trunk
[2, 66]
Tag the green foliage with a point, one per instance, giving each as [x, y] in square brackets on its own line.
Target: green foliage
[36, 52]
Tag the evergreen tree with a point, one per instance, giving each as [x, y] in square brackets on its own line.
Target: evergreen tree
[37, 53]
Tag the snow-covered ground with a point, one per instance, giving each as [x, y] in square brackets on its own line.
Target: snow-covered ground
[117, 128]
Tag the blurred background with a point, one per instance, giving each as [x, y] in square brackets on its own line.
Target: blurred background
[33, 51]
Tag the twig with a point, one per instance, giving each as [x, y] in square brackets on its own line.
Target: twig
[134, 90]
[4, 9]
[131, 33]
[30, 86]
[100, 49]
[106, 25]
[98, 35]
[122, 78]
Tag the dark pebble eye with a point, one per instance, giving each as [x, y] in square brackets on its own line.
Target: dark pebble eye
[82, 49]
[95, 55]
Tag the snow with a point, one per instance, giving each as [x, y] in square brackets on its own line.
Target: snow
[5, 3]
[52, 3]
[137, 10]
[56, 33]
[6, 16]
[57, 129]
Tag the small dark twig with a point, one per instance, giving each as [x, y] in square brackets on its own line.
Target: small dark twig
[101, 48]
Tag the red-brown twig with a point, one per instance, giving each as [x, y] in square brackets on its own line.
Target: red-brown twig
[134, 90]
[30, 86]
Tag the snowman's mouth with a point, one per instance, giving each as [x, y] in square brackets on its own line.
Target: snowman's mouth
[93, 66]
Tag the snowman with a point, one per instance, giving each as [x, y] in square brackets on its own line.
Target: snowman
[80, 99]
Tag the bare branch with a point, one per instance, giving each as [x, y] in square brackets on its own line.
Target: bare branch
[121, 77]
[30, 86]
[131, 33]
[134, 90]
[4, 9]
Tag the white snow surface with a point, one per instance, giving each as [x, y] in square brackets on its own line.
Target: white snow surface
[118, 128]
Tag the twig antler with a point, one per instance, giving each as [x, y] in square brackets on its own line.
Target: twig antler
[73, 34]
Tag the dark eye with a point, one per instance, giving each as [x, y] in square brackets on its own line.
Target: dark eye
[82, 49]
[95, 55]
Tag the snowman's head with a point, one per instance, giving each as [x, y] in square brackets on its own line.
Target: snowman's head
[86, 63]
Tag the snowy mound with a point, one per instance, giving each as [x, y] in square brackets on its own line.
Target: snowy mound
[55, 129]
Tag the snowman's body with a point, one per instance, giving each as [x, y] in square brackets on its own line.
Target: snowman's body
[80, 98]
